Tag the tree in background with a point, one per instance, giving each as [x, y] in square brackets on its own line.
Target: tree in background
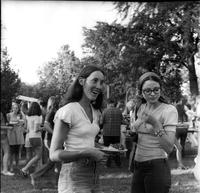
[57, 75]
[103, 43]
[159, 37]
[169, 33]
[10, 82]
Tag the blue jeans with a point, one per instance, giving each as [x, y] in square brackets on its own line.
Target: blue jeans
[151, 176]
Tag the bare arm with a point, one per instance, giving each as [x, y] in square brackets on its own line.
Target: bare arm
[166, 139]
[47, 127]
[8, 117]
[25, 126]
[57, 153]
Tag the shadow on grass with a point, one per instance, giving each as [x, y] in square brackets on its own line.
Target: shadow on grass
[114, 180]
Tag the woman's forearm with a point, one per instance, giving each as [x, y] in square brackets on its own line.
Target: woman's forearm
[47, 127]
[166, 141]
[66, 156]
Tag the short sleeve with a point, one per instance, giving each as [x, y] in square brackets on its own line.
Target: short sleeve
[65, 114]
[170, 118]
[40, 119]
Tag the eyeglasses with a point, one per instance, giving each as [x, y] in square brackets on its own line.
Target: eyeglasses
[148, 91]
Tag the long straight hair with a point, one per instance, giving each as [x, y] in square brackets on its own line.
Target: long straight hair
[75, 90]
[52, 104]
[34, 109]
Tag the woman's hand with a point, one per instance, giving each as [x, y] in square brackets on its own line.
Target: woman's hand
[39, 128]
[148, 118]
[95, 154]
[137, 124]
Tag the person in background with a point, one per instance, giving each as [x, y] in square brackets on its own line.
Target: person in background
[27, 145]
[15, 135]
[52, 106]
[128, 115]
[23, 109]
[120, 105]
[33, 124]
[76, 125]
[43, 106]
[197, 158]
[191, 113]
[128, 107]
[155, 123]
[111, 120]
[178, 147]
[5, 148]
[182, 127]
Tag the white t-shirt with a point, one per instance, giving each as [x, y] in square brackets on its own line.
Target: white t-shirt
[82, 132]
[148, 146]
[32, 122]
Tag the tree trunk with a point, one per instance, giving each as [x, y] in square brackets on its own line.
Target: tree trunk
[194, 90]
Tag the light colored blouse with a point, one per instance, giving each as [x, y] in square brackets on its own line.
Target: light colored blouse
[148, 146]
[82, 132]
[32, 124]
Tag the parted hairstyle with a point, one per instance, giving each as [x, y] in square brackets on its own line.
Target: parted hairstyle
[34, 109]
[52, 104]
[143, 78]
[17, 105]
[75, 91]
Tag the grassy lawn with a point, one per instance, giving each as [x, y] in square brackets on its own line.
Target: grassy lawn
[116, 180]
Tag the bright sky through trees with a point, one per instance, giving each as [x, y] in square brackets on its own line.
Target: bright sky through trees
[34, 31]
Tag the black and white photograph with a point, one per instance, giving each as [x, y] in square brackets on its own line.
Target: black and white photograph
[100, 96]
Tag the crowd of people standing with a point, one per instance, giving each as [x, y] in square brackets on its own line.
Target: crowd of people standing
[68, 135]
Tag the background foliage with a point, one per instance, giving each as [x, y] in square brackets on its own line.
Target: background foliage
[156, 36]
[10, 81]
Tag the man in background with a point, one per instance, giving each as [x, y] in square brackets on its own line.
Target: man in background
[111, 120]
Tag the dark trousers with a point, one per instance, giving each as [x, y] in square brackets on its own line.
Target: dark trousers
[116, 157]
[151, 177]
[181, 133]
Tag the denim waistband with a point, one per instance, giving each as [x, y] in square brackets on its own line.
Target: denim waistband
[150, 162]
[82, 162]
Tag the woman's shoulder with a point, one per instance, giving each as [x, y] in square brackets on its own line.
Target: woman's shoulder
[71, 106]
[169, 108]
[9, 114]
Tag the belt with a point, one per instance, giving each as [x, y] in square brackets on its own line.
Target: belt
[150, 162]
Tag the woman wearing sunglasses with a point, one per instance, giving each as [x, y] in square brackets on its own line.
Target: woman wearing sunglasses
[155, 123]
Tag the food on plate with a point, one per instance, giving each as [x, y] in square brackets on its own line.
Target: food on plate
[118, 146]
[113, 148]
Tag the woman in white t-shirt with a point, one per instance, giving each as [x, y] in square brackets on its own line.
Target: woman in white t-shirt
[33, 125]
[76, 125]
[155, 125]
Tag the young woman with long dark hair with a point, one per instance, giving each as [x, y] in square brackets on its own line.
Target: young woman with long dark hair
[76, 125]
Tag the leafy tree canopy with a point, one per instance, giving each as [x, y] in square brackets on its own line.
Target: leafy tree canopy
[56, 75]
[10, 82]
[155, 39]
[170, 32]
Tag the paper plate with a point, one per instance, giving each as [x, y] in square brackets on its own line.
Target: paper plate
[112, 150]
